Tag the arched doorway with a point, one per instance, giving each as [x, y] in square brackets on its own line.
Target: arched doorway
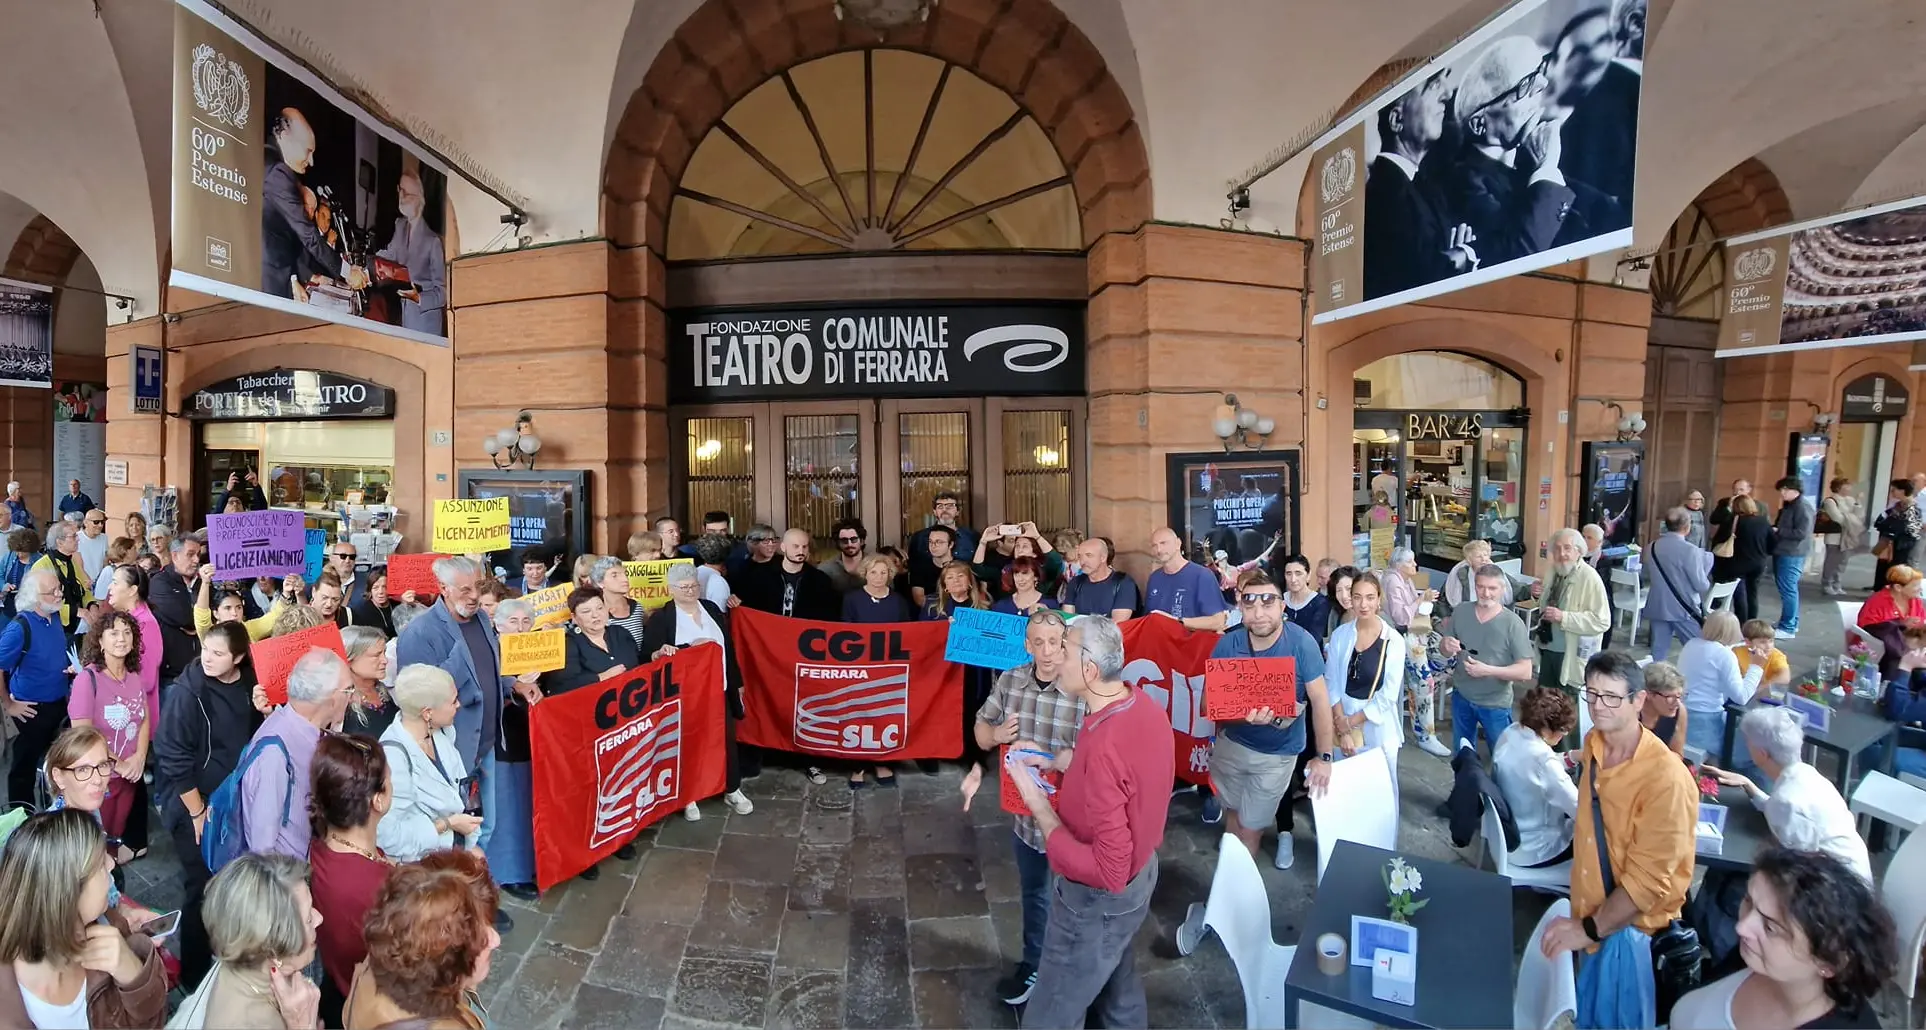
[1438, 456]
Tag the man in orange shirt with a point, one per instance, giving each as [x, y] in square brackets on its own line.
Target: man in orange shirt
[1647, 804]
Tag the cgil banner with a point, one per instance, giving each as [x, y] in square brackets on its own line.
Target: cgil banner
[26, 335]
[613, 758]
[1514, 150]
[881, 692]
[288, 196]
[1845, 281]
[1169, 663]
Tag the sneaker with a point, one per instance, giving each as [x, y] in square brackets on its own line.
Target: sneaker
[1286, 852]
[1784, 634]
[693, 813]
[1191, 933]
[1431, 745]
[1015, 989]
[1213, 812]
[738, 802]
[816, 775]
[503, 921]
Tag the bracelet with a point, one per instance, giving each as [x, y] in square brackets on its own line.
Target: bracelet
[197, 815]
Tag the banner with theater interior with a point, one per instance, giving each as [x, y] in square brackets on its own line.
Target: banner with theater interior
[1847, 280]
[1512, 151]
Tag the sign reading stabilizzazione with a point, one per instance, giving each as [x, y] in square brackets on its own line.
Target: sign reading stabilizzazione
[923, 351]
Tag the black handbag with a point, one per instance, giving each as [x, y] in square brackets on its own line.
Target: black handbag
[1678, 960]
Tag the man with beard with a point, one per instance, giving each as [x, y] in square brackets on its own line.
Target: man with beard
[1600, 133]
[1577, 611]
[1409, 239]
[292, 246]
[845, 570]
[1506, 181]
[789, 586]
[417, 248]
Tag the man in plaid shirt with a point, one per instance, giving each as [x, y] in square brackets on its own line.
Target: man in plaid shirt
[1026, 705]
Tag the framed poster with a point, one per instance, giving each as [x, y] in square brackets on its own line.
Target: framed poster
[549, 509]
[1611, 472]
[1806, 462]
[1235, 503]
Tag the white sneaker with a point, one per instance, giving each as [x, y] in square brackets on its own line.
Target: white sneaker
[1286, 853]
[693, 812]
[738, 802]
[1191, 932]
[1431, 745]
[816, 775]
[1783, 634]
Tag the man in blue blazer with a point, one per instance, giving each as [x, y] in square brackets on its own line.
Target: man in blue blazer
[456, 636]
[1678, 575]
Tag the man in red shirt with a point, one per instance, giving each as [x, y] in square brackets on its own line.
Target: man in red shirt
[1101, 836]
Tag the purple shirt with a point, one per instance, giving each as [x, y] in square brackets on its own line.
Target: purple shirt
[266, 784]
[1190, 592]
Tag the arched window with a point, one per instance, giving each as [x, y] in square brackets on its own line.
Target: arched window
[1435, 379]
[1689, 268]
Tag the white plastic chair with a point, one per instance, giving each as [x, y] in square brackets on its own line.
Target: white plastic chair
[1547, 987]
[1719, 598]
[1849, 618]
[1630, 579]
[1361, 805]
[1556, 879]
[1904, 892]
[1888, 800]
[1239, 911]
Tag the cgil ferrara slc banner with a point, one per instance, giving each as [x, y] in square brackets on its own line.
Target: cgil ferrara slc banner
[1845, 281]
[1514, 150]
[288, 196]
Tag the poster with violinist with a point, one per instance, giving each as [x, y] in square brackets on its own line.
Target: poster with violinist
[1611, 488]
[288, 196]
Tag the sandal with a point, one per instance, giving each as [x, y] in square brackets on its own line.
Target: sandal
[885, 778]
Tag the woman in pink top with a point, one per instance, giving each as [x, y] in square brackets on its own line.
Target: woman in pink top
[127, 592]
[109, 696]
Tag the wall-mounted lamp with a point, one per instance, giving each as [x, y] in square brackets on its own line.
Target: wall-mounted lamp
[1824, 420]
[1629, 426]
[1238, 426]
[516, 446]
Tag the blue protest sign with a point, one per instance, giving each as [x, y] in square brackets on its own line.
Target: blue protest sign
[992, 640]
[317, 554]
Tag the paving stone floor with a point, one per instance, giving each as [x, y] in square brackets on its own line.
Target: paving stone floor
[880, 908]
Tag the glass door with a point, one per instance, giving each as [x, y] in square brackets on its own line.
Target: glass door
[932, 448]
[828, 468]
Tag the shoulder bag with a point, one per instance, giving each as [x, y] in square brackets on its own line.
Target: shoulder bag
[1678, 960]
[1689, 603]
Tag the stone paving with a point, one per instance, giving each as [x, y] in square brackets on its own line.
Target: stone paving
[880, 908]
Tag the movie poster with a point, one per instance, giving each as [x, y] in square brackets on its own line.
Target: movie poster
[287, 197]
[1844, 281]
[546, 510]
[1611, 489]
[26, 334]
[1512, 151]
[1237, 504]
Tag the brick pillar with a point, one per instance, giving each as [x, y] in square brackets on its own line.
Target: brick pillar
[137, 439]
[1610, 329]
[1178, 317]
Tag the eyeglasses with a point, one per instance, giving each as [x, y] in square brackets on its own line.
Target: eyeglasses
[1534, 82]
[1260, 600]
[83, 773]
[96, 522]
[1608, 700]
[849, 540]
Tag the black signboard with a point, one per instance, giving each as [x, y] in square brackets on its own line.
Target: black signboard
[1874, 398]
[925, 350]
[287, 394]
[1236, 503]
[548, 509]
[1610, 487]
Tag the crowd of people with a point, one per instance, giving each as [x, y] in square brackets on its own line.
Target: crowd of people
[382, 810]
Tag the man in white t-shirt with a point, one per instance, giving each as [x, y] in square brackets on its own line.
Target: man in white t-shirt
[93, 543]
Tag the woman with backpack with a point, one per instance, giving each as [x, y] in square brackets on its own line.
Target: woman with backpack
[207, 721]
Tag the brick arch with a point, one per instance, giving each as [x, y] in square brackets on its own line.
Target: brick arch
[1745, 199]
[42, 253]
[727, 48]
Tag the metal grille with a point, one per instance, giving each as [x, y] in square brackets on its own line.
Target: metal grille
[1036, 463]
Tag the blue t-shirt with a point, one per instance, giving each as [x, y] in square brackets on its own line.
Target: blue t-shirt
[1116, 591]
[1188, 593]
[1292, 643]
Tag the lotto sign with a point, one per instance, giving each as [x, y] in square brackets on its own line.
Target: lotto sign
[828, 688]
[471, 527]
[614, 758]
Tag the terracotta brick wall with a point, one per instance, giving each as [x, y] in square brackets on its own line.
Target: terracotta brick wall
[1770, 396]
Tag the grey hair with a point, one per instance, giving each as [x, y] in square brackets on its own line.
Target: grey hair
[602, 567]
[1491, 571]
[678, 573]
[33, 590]
[61, 531]
[1400, 555]
[1475, 545]
[180, 542]
[1776, 732]
[1592, 527]
[1677, 520]
[316, 675]
[422, 686]
[251, 915]
[359, 640]
[509, 609]
[160, 527]
[760, 531]
[403, 614]
[1495, 70]
[1102, 643]
[454, 567]
[1570, 534]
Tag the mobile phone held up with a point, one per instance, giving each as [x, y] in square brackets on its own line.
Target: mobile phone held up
[162, 926]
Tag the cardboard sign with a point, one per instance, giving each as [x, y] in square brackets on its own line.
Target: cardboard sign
[544, 650]
[274, 657]
[257, 543]
[992, 640]
[1006, 781]
[550, 604]
[649, 580]
[1235, 686]
[414, 572]
[317, 555]
[471, 526]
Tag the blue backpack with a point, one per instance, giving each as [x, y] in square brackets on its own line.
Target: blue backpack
[224, 838]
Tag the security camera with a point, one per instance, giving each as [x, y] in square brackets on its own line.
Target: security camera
[1240, 200]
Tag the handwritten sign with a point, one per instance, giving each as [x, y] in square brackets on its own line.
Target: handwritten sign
[649, 580]
[1013, 801]
[471, 526]
[550, 604]
[414, 572]
[317, 554]
[274, 657]
[991, 640]
[544, 650]
[1235, 686]
[257, 543]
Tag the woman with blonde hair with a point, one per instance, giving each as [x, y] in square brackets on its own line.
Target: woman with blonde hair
[371, 709]
[1712, 678]
[262, 921]
[61, 965]
[956, 587]
[645, 545]
[425, 766]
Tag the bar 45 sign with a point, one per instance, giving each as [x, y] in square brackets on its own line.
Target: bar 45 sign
[1444, 425]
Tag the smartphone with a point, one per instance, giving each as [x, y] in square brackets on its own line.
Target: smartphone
[1012, 530]
[162, 926]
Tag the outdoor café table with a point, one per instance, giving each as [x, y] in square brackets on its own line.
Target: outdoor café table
[1856, 725]
[1465, 947]
[1746, 834]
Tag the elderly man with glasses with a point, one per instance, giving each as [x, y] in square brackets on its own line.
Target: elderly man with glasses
[1505, 182]
[93, 543]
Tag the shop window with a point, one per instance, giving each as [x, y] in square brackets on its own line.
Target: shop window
[821, 474]
[1434, 380]
[936, 458]
[722, 468]
[1036, 463]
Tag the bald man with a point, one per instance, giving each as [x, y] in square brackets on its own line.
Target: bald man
[790, 585]
[1183, 589]
[293, 248]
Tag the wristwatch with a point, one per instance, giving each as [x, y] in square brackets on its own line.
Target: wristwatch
[1327, 758]
[1591, 928]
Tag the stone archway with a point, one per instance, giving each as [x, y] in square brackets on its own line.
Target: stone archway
[42, 253]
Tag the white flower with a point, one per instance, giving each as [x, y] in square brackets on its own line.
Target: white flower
[1415, 880]
[1398, 882]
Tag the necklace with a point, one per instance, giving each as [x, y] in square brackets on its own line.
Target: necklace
[371, 856]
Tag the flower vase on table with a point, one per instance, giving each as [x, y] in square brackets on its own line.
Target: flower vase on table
[1402, 884]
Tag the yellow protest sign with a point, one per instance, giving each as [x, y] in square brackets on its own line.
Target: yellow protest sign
[649, 580]
[471, 526]
[544, 650]
[550, 604]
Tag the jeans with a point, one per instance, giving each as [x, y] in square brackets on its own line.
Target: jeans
[1087, 956]
[485, 781]
[1033, 873]
[1664, 632]
[195, 952]
[1785, 574]
[1467, 719]
[1910, 760]
[1706, 731]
